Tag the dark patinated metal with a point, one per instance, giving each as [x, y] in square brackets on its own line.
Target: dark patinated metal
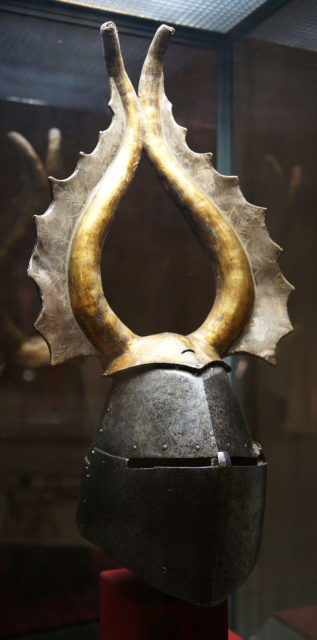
[174, 487]
[173, 413]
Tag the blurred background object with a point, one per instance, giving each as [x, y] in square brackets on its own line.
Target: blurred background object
[25, 180]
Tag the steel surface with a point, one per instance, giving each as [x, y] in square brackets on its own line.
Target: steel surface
[191, 532]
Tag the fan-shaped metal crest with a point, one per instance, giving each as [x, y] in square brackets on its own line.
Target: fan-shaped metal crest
[249, 313]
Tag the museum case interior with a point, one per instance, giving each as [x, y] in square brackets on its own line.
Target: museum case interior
[157, 277]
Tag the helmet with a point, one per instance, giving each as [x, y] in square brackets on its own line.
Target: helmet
[173, 487]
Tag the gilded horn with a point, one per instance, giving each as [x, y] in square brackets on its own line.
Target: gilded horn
[87, 198]
[106, 332]
[234, 283]
[249, 312]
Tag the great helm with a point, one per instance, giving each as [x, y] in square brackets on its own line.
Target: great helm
[173, 487]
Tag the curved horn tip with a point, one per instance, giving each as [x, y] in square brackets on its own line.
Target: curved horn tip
[110, 39]
[158, 47]
[108, 26]
[166, 29]
[12, 135]
[15, 136]
[111, 49]
[164, 34]
[53, 132]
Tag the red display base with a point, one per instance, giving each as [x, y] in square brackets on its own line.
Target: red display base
[132, 610]
[302, 620]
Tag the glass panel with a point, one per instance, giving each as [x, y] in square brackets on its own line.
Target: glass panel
[155, 273]
[275, 124]
[213, 15]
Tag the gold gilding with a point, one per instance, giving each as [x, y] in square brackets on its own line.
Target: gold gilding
[119, 347]
[234, 282]
[249, 313]
[109, 335]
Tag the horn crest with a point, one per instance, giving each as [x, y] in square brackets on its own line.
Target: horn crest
[78, 320]
[101, 325]
[234, 283]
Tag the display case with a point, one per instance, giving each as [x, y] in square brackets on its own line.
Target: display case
[241, 79]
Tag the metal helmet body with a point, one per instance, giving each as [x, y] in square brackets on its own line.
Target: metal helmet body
[173, 487]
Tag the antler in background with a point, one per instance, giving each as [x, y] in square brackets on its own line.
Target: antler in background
[19, 349]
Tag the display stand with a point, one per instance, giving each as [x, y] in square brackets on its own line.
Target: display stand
[132, 610]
